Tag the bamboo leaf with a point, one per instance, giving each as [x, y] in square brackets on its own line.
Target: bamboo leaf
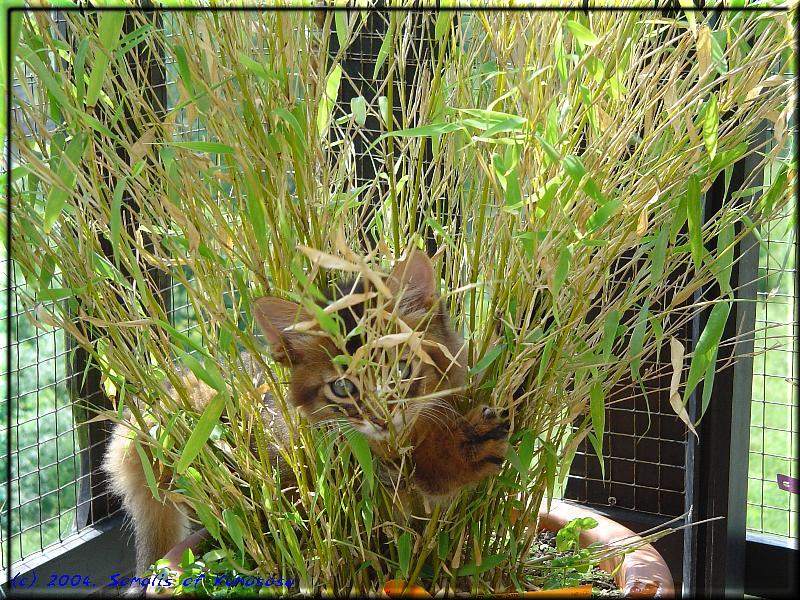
[201, 432]
[488, 359]
[637, 340]
[66, 172]
[208, 372]
[404, 553]
[234, 527]
[109, 30]
[711, 126]
[328, 100]
[207, 147]
[340, 23]
[597, 411]
[562, 269]
[358, 106]
[582, 33]
[707, 344]
[676, 358]
[610, 327]
[724, 263]
[694, 214]
[488, 563]
[149, 475]
[116, 219]
[383, 52]
[358, 443]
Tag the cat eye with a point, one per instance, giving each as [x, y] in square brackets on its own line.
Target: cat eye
[343, 388]
[404, 369]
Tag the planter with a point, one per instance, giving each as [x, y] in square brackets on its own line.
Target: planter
[640, 574]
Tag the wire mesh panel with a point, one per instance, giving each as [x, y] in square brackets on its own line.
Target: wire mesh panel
[46, 448]
[644, 449]
[773, 475]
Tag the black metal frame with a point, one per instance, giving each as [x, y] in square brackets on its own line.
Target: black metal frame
[732, 561]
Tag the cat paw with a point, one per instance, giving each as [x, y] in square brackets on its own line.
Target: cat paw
[487, 438]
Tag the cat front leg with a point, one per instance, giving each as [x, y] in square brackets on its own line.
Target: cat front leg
[453, 454]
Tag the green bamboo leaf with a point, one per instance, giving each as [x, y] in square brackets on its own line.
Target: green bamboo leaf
[50, 79]
[488, 563]
[109, 30]
[66, 171]
[582, 33]
[513, 192]
[708, 384]
[201, 432]
[562, 269]
[340, 23]
[707, 344]
[183, 69]
[552, 153]
[544, 362]
[637, 340]
[207, 372]
[328, 100]
[358, 443]
[404, 553]
[443, 545]
[724, 263]
[116, 219]
[602, 215]
[597, 410]
[777, 188]
[182, 338]
[383, 52]
[573, 165]
[80, 71]
[149, 475]
[234, 527]
[291, 120]
[488, 359]
[257, 68]
[358, 106]
[694, 214]
[208, 520]
[711, 126]
[610, 328]
[443, 20]
[208, 147]
[425, 130]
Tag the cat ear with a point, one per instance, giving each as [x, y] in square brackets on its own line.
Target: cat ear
[415, 280]
[273, 316]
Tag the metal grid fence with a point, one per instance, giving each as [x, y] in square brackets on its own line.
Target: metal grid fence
[45, 505]
[773, 474]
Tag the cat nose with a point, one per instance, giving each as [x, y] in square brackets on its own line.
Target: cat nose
[379, 422]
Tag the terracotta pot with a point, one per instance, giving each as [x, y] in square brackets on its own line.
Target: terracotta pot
[642, 574]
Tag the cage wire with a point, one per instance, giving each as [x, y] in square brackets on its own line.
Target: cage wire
[772, 505]
[46, 451]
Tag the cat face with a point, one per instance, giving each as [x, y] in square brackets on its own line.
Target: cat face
[393, 375]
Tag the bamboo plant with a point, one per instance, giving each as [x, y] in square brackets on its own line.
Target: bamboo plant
[563, 190]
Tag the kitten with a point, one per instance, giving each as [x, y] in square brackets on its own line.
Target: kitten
[449, 450]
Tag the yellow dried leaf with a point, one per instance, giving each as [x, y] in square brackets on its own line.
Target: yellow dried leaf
[703, 50]
[328, 261]
[348, 300]
[677, 352]
[643, 224]
[393, 339]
